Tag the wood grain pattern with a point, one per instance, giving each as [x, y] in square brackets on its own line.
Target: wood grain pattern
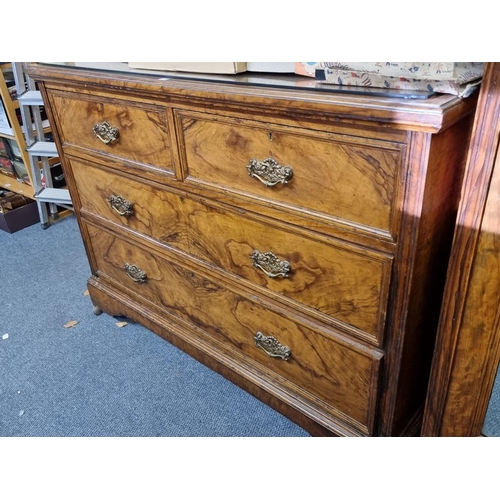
[468, 343]
[156, 213]
[436, 170]
[339, 376]
[343, 282]
[144, 136]
[351, 178]
[373, 198]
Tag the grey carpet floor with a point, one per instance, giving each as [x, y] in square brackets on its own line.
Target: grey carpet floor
[491, 427]
[96, 379]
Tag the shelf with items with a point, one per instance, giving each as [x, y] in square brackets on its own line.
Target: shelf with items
[14, 185]
[16, 176]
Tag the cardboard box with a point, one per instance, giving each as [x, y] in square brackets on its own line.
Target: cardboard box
[193, 67]
[20, 217]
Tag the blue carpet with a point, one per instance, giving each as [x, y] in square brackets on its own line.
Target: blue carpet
[97, 379]
[491, 426]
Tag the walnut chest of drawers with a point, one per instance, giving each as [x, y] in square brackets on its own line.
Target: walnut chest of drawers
[293, 240]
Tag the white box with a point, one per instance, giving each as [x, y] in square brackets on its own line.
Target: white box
[271, 67]
[193, 67]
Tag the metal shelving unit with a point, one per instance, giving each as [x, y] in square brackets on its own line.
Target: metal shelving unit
[40, 151]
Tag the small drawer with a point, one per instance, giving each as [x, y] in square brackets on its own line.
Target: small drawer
[126, 130]
[343, 284]
[336, 375]
[348, 179]
[140, 207]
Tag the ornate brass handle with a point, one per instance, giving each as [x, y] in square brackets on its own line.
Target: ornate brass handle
[271, 346]
[134, 273]
[121, 205]
[270, 264]
[269, 172]
[106, 133]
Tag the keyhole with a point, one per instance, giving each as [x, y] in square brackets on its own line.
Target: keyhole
[270, 135]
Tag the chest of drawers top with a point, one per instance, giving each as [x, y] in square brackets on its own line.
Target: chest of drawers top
[269, 93]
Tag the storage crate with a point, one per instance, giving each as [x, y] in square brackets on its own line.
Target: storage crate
[17, 212]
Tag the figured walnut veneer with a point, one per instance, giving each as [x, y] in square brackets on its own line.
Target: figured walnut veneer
[355, 198]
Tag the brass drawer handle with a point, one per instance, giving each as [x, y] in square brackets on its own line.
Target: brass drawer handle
[106, 133]
[271, 346]
[134, 273]
[272, 266]
[269, 172]
[121, 205]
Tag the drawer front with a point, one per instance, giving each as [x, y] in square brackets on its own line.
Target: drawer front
[342, 375]
[339, 281]
[137, 132]
[341, 177]
[140, 207]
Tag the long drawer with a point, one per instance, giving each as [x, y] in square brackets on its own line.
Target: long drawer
[339, 375]
[340, 282]
[331, 175]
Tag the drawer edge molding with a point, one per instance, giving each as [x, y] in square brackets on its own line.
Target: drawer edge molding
[117, 164]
